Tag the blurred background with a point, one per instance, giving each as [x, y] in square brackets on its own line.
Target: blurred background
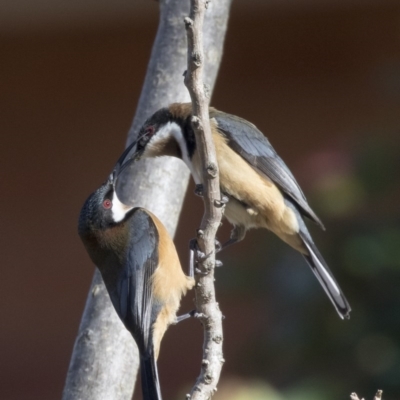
[321, 79]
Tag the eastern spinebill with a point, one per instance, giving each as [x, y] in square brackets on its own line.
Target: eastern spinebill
[140, 268]
[262, 191]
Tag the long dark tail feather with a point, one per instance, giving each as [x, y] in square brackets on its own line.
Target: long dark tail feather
[325, 277]
[149, 375]
[320, 268]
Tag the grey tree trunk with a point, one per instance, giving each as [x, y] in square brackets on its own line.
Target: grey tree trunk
[105, 360]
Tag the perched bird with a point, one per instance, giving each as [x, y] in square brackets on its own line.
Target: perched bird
[140, 268]
[261, 190]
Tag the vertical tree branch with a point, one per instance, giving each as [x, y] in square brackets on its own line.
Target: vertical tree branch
[104, 361]
[206, 305]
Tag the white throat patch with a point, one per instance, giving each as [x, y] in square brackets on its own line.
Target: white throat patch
[174, 130]
[118, 209]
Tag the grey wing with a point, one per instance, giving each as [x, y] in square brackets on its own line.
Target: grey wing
[135, 302]
[246, 140]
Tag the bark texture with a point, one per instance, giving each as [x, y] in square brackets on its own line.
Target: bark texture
[104, 361]
[206, 305]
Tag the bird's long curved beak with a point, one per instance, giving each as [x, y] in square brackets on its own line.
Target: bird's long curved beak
[123, 161]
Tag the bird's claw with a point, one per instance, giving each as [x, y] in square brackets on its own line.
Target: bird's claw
[222, 202]
[199, 191]
[193, 246]
[199, 272]
[198, 315]
[219, 204]
[190, 314]
[198, 256]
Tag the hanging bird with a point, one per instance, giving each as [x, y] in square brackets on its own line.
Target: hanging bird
[140, 268]
[261, 190]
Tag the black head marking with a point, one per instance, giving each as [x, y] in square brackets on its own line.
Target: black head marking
[189, 136]
[152, 125]
[161, 118]
[94, 215]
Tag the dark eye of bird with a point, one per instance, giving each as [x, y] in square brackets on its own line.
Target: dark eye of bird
[107, 204]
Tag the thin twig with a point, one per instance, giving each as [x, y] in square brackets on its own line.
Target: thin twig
[206, 304]
[378, 396]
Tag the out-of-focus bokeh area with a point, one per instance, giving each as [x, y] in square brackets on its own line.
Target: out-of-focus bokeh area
[321, 79]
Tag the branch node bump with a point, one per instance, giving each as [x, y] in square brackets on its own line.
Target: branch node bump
[205, 363]
[212, 170]
[196, 122]
[207, 297]
[208, 379]
[188, 22]
[87, 335]
[200, 233]
[197, 58]
[217, 339]
[95, 290]
[207, 91]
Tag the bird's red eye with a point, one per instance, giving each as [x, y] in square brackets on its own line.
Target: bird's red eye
[149, 131]
[107, 204]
